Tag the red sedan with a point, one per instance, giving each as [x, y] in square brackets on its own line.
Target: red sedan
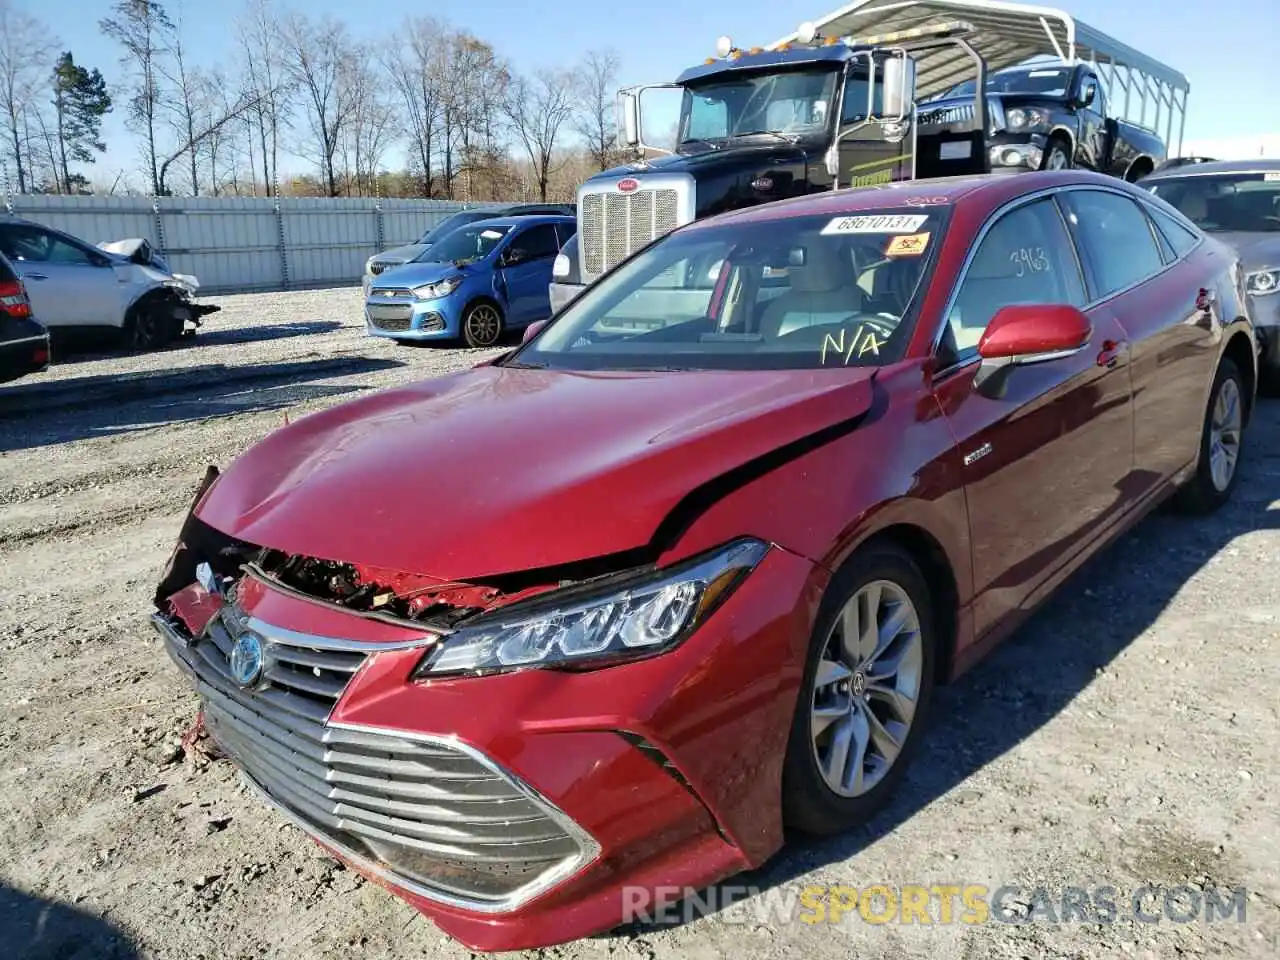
[684, 569]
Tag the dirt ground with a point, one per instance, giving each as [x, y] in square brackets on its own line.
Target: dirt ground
[1126, 738]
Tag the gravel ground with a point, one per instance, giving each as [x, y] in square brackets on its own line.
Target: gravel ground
[1126, 737]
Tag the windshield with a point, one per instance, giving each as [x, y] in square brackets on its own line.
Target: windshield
[803, 292]
[1242, 202]
[795, 102]
[466, 244]
[449, 224]
[1038, 81]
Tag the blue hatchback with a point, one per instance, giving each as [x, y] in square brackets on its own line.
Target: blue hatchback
[481, 279]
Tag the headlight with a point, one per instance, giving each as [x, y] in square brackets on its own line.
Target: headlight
[561, 266]
[1020, 118]
[1262, 282]
[432, 291]
[639, 615]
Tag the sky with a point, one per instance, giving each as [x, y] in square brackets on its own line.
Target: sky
[1226, 48]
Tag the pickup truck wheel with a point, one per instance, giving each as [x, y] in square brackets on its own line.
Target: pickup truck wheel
[868, 682]
[1057, 155]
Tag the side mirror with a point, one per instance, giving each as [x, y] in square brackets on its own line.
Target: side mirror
[628, 117]
[898, 88]
[1088, 93]
[1024, 334]
[532, 329]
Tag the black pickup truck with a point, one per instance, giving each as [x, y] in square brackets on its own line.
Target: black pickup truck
[1040, 116]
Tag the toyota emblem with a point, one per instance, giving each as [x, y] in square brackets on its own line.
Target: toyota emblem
[247, 660]
[628, 185]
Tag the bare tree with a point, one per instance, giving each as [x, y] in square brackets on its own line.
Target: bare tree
[267, 76]
[539, 108]
[320, 55]
[595, 120]
[210, 125]
[475, 82]
[192, 91]
[142, 27]
[417, 75]
[26, 55]
[369, 132]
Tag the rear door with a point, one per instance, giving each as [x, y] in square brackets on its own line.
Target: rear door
[1046, 464]
[1153, 296]
[528, 278]
[69, 284]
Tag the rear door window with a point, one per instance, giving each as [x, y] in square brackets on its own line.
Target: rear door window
[1114, 238]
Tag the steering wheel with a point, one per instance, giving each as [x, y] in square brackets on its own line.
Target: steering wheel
[882, 324]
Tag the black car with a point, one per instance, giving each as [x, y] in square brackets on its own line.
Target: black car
[24, 341]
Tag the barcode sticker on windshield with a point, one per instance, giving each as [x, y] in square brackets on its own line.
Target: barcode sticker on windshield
[877, 223]
[1271, 176]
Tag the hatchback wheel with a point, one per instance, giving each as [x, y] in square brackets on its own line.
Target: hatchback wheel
[1221, 443]
[482, 325]
[867, 686]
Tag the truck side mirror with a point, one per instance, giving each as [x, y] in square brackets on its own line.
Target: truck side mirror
[628, 116]
[898, 88]
[1088, 92]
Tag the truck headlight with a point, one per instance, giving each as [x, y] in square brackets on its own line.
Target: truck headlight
[1261, 282]
[433, 291]
[561, 266]
[1025, 120]
[636, 615]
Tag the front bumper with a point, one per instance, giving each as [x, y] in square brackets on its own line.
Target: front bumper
[563, 293]
[665, 771]
[1016, 152]
[406, 319]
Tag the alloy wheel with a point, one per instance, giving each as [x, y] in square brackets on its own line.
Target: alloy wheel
[483, 325]
[1057, 160]
[1224, 434]
[866, 688]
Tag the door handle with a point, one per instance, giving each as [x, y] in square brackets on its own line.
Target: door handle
[1111, 353]
[35, 276]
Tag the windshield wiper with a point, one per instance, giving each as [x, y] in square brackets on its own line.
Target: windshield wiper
[709, 143]
[785, 137]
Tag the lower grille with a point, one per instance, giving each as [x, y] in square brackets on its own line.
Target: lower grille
[390, 316]
[431, 814]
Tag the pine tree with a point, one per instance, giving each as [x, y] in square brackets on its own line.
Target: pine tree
[81, 100]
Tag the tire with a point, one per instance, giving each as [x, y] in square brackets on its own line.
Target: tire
[149, 326]
[1057, 155]
[482, 324]
[1206, 491]
[809, 801]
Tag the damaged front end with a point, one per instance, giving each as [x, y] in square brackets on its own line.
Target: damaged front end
[164, 308]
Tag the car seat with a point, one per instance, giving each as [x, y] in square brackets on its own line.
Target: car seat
[821, 291]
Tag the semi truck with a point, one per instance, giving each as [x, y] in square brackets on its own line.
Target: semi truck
[875, 92]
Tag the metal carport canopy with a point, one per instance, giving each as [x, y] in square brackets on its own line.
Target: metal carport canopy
[1006, 34]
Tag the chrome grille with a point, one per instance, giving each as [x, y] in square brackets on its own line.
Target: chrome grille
[433, 814]
[377, 266]
[961, 113]
[613, 225]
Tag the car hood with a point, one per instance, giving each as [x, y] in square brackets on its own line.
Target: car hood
[1257, 250]
[416, 274]
[401, 254]
[501, 470]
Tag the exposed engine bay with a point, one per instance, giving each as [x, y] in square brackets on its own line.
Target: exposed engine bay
[166, 308]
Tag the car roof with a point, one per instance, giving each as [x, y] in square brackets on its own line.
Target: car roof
[523, 221]
[1215, 166]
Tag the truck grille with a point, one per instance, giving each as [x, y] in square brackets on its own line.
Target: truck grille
[612, 225]
[961, 113]
[431, 815]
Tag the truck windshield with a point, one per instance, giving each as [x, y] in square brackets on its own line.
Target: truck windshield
[1241, 202]
[1034, 81]
[794, 102]
[817, 291]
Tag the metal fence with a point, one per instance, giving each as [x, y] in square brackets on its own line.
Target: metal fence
[243, 244]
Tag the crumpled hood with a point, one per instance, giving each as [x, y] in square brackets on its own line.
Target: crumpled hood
[500, 470]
